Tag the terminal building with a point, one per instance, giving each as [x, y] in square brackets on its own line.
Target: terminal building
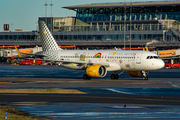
[109, 25]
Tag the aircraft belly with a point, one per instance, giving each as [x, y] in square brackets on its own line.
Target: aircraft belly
[113, 67]
[128, 65]
[73, 66]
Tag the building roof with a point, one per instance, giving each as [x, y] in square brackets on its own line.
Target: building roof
[134, 4]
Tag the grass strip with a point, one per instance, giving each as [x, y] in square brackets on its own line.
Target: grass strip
[59, 91]
[3, 82]
[15, 114]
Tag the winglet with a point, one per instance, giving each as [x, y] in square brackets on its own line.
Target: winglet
[48, 41]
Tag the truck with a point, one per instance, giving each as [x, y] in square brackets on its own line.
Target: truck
[175, 63]
[30, 62]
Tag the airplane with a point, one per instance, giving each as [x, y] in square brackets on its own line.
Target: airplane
[97, 63]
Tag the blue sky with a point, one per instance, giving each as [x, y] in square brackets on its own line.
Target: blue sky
[24, 13]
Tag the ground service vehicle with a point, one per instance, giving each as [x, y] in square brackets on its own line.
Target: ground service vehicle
[30, 62]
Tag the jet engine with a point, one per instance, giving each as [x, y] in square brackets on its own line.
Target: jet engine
[96, 71]
[138, 73]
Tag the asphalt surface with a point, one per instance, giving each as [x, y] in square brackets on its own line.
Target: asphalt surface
[158, 97]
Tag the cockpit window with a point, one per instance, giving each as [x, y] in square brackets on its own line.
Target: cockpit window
[152, 57]
[155, 57]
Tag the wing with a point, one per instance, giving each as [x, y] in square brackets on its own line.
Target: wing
[80, 62]
[83, 63]
[33, 56]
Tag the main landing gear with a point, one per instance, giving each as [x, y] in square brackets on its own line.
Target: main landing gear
[86, 77]
[114, 76]
[144, 73]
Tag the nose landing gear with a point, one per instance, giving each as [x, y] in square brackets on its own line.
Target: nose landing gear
[145, 78]
[144, 73]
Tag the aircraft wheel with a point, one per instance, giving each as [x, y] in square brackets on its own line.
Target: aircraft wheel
[145, 78]
[86, 77]
[114, 76]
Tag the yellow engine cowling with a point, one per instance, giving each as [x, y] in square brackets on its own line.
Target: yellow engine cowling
[135, 73]
[96, 71]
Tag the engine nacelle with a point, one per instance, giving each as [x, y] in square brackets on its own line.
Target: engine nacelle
[98, 71]
[135, 73]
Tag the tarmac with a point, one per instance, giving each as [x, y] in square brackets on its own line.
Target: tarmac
[125, 98]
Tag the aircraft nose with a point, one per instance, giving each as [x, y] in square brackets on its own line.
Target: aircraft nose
[161, 64]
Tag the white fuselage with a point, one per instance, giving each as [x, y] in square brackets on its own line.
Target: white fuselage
[97, 62]
[118, 60]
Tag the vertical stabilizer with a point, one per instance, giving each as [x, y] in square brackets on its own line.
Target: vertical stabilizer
[48, 41]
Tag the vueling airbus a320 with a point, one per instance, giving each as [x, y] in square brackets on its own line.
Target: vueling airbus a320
[97, 63]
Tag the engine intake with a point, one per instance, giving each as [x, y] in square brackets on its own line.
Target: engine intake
[96, 71]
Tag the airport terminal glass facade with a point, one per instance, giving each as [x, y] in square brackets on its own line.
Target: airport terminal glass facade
[98, 22]
[18, 35]
[115, 32]
[138, 13]
[141, 20]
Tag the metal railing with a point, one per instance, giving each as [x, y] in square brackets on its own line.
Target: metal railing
[133, 27]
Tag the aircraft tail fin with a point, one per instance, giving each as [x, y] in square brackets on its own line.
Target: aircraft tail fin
[48, 41]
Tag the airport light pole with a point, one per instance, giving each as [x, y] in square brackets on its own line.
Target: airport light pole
[36, 26]
[12, 25]
[130, 23]
[46, 11]
[51, 16]
[124, 24]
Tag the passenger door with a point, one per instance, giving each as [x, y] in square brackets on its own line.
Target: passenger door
[138, 58]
